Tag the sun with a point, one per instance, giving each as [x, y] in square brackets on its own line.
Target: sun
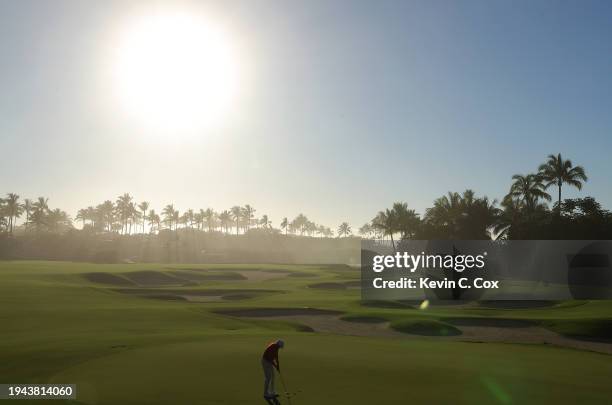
[175, 72]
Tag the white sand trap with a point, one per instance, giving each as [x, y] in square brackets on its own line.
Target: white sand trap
[510, 333]
[528, 335]
[334, 325]
[196, 298]
[262, 275]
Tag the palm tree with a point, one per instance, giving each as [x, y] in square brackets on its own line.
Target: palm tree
[13, 209]
[366, 230]
[265, 221]
[106, 214]
[344, 230]
[27, 208]
[58, 220]
[225, 219]
[3, 221]
[189, 218]
[168, 213]
[154, 220]
[445, 212]
[310, 228]
[143, 206]
[236, 214]
[285, 225]
[461, 216]
[176, 217]
[386, 222]
[82, 216]
[248, 213]
[40, 211]
[407, 221]
[299, 223]
[124, 210]
[528, 189]
[209, 217]
[133, 216]
[557, 171]
[198, 218]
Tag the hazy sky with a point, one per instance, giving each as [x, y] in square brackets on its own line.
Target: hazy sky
[345, 106]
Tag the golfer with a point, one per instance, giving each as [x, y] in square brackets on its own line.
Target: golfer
[269, 361]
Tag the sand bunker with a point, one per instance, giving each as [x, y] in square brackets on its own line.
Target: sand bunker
[107, 278]
[209, 295]
[152, 278]
[386, 304]
[301, 275]
[490, 322]
[364, 319]
[230, 274]
[238, 297]
[208, 276]
[336, 285]
[467, 329]
[317, 320]
[276, 312]
[425, 327]
[328, 286]
[262, 275]
[516, 304]
[529, 335]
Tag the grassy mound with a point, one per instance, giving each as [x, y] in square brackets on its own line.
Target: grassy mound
[425, 327]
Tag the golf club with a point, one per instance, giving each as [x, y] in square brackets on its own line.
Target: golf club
[285, 388]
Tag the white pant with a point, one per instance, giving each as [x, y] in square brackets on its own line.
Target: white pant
[268, 369]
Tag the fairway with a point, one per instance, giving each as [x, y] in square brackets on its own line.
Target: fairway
[156, 334]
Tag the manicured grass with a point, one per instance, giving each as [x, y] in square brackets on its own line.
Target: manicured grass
[60, 326]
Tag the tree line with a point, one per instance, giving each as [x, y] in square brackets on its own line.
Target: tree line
[524, 213]
[126, 217]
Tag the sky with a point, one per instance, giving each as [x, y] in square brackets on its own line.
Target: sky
[343, 107]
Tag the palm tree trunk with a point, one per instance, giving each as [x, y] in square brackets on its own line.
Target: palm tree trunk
[559, 206]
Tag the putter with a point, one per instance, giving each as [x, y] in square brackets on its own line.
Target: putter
[288, 395]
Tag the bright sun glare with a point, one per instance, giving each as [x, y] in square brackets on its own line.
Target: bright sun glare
[176, 72]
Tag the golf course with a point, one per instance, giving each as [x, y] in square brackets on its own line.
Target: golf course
[194, 334]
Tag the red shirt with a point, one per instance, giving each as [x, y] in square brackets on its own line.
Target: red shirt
[271, 353]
